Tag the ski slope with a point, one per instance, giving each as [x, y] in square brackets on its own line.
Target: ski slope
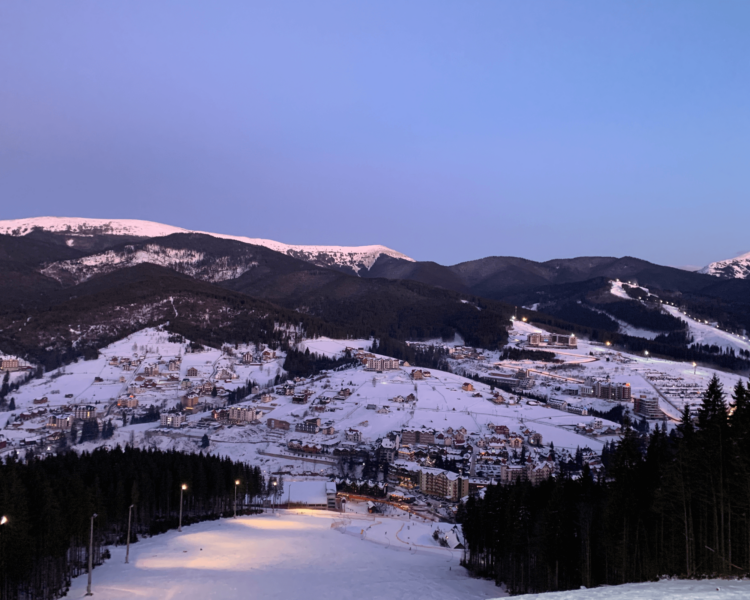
[705, 333]
[708, 589]
[315, 555]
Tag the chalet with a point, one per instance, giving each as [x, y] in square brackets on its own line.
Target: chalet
[192, 372]
[467, 387]
[417, 374]
[174, 365]
[301, 399]
[327, 430]
[42, 400]
[353, 435]
[535, 439]
[497, 398]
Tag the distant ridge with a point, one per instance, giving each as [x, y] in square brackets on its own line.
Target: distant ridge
[354, 258]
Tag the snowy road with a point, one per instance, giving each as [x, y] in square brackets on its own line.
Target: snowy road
[290, 556]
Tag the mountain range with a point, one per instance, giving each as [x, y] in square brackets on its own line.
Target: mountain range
[70, 283]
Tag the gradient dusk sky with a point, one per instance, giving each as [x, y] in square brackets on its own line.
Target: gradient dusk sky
[446, 130]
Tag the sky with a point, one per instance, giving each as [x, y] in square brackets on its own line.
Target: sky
[446, 130]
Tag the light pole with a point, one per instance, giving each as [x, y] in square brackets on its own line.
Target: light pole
[182, 489]
[236, 485]
[127, 551]
[91, 555]
[3, 521]
[646, 353]
[695, 368]
[274, 496]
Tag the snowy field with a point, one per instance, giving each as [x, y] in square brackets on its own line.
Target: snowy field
[709, 589]
[291, 555]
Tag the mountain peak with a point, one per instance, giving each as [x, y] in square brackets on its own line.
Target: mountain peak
[732, 268]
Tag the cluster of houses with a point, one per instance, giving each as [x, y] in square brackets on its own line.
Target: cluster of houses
[260, 357]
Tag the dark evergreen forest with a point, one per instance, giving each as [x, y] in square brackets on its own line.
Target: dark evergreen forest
[49, 504]
[667, 504]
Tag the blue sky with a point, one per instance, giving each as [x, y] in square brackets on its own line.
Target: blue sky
[446, 130]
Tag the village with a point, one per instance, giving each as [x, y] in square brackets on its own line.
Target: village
[420, 438]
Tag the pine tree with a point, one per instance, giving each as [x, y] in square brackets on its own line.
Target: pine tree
[12, 404]
[6, 385]
[205, 442]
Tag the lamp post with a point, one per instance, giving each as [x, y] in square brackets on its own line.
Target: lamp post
[274, 496]
[91, 555]
[646, 353]
[695, 368]
[236, 485]
[127, 551]
[182, 489]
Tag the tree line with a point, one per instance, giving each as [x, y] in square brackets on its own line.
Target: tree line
[49, 504]
[664, 504]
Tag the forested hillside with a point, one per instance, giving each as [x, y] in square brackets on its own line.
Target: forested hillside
[676, 504]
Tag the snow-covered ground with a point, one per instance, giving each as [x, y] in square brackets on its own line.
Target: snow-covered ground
[332, 348]
[292, 555]
[705, 333]
[708, 589]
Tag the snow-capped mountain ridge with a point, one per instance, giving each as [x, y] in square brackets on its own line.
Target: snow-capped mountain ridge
[732, 268]
[355, 258]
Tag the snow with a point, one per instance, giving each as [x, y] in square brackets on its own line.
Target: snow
[355, 257]
[188, 262]
[332, 348]
[676, 589]
[290, 555]
[738, 267]
[706, 333]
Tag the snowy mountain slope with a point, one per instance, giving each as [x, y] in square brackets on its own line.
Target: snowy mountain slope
[350, 258]
[737, 268]
[189, 262]
[288, 555]
[676, 589]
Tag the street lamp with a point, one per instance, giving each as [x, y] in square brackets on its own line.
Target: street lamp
[274, 496]
[91, 555]
[3, 520]
[182, 489]
[646, 353]
[695, 368]
[236, 485]
[127, 552]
